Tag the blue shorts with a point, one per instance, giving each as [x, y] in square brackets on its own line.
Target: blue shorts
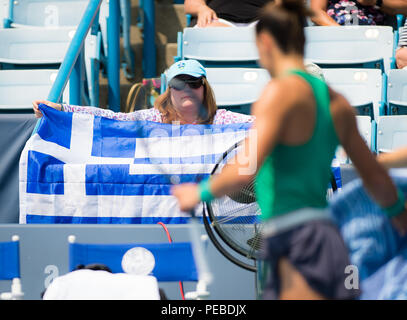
[317, 252]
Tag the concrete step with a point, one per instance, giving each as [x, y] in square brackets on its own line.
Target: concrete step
[170, 18]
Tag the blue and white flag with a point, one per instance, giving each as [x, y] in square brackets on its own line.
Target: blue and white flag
[80, 168]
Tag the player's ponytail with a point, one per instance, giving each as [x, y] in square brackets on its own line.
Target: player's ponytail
[285, 21]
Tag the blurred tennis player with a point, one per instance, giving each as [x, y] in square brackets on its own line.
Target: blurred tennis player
[299, 124]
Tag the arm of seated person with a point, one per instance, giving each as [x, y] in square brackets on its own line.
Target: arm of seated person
[401, 57]
[393, 7]
[205, 15]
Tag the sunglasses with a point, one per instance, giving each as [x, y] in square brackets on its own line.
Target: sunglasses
[179, 83]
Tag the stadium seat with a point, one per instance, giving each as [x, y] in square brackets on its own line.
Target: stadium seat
[367, 129]
[10, 268]
[391, 133]
[397, 92]
[18, 88]
[65, 13]
[168, 261]
[219, 46]
[362, 87]
[350, 46]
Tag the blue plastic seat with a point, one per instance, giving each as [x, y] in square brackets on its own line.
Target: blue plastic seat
[18, 88]
[391, 132]
[367, 130]
[33, 46]
[350, 46]
[66, 13]
[219, 46]
[363, 88]
[10, 268]
[397, 92]
[237, 88]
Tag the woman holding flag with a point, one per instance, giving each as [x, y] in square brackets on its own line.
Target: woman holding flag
[189, 99]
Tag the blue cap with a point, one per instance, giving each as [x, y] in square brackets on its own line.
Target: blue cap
[189, 67]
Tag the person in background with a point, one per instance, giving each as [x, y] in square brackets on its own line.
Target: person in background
[299, 123]
[223, 13]
[189, 99]
[394, 159]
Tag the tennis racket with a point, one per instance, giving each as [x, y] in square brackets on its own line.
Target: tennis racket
[234, 218]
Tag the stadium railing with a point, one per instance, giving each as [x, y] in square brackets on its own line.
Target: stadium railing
[364, 88]
[391, 132]
[218, 47]
[18, 88]
[351, 46]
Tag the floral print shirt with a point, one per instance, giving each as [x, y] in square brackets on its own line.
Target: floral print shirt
[222, 116]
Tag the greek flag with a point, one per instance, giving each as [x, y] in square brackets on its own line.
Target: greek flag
[80, 168]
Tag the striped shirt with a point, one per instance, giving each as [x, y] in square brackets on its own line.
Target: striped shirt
[403, 36]
[222, 116]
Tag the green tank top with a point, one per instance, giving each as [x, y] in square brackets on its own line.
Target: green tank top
[295, 177]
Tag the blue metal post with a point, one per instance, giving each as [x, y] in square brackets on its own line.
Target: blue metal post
[113, 55]
[128, 64]
[149, 49]
[180, 46]
[73, 51]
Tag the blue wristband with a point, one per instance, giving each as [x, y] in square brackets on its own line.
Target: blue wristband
[396, 208]
[205, 192]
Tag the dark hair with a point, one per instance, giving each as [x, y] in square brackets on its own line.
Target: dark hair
[285, 21]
